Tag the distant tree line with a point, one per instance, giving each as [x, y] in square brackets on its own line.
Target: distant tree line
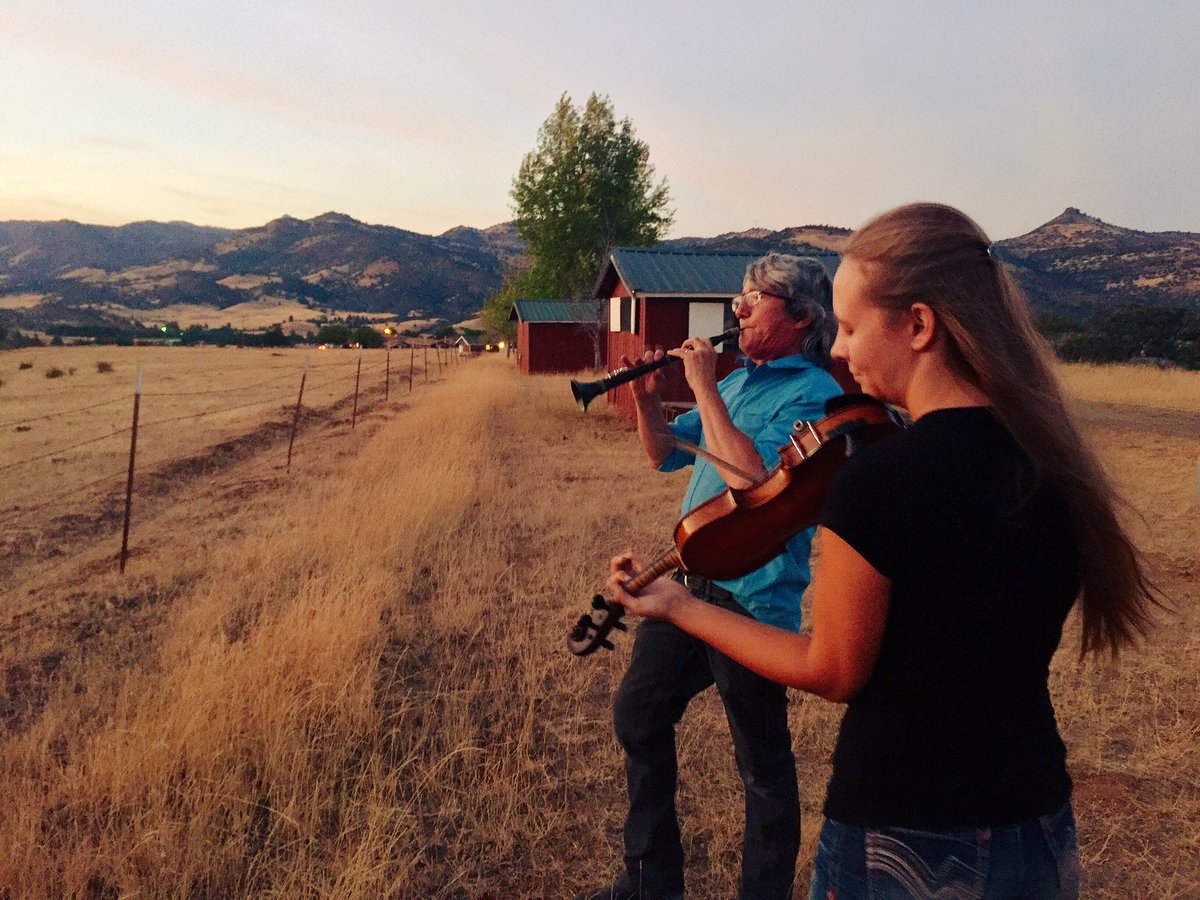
[11, 339]
[1133, 332]
[353, 330]
[339, 334]
[1170, 334]
[126, 335]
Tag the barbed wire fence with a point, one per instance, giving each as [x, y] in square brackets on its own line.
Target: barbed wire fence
[364, 383]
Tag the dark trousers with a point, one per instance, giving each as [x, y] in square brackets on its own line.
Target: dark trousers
[668, 668]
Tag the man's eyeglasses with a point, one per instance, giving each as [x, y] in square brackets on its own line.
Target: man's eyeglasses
[750, 298]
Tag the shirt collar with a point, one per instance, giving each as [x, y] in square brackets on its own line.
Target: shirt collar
[795, 361]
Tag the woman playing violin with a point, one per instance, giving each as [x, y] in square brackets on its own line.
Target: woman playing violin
[950, 555]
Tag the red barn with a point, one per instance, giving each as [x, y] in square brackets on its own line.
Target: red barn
[557, 335]
[660, 298]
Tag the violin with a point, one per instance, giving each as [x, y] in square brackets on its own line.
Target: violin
[741, 529]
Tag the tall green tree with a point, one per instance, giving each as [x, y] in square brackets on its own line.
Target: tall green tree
[587, 187]
[515, 286]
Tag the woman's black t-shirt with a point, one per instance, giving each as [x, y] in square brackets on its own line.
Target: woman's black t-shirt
[955, 727]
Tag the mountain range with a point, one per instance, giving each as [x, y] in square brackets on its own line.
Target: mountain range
[1073, 263]
[82, 274]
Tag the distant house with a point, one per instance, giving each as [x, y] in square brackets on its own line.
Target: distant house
[660, 298]
[555, 335]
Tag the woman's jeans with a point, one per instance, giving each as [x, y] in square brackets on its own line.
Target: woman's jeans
[668, 668]
[1035, 860]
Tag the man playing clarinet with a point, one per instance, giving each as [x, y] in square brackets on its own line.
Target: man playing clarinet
[743, 420]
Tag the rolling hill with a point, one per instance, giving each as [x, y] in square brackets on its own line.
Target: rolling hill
[67, 272]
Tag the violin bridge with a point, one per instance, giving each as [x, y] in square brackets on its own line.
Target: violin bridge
[799, 427]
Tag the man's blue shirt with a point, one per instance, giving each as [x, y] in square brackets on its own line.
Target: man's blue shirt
[764, 401]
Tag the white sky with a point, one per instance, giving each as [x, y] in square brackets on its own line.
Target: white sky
[417, 114]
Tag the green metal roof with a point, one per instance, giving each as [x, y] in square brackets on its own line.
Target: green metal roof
[648, 271]
[554, 310]
[691, 272]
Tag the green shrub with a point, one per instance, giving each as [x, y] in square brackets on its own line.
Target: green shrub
[26, 365]
[104, 367]
[55, 372]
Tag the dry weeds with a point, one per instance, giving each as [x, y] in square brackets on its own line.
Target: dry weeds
[349, 681]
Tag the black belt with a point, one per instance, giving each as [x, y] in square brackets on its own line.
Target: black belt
[704, 588]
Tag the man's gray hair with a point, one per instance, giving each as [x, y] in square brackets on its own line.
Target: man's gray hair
[804, 284]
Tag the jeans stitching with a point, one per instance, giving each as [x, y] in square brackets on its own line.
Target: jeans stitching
[889, 857]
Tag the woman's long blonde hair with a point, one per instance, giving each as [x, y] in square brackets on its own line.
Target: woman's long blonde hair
[935, 254]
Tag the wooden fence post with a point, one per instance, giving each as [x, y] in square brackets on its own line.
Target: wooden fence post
[137, 402]
[426, 364]
[296, 414]
[438, 352]
[387, 376]
[412, 359]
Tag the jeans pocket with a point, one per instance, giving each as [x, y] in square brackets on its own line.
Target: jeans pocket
[1059, 829]
[906, 863]
[837, 869]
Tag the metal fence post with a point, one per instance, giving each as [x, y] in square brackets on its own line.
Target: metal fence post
[296, 414]
[137, 402]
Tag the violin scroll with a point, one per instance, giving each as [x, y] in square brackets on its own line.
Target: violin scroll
[592, 631]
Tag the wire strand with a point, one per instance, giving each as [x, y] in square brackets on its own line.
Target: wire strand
[66, 412]
[94, 440]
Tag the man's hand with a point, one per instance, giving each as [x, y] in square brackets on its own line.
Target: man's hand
[649, 385]
[699, 365]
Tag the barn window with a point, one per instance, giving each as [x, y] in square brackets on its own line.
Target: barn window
[620, 315]
[706, 319]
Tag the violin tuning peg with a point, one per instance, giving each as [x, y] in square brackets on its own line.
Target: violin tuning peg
[607, 644]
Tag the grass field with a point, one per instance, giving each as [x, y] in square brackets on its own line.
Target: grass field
[348, 679]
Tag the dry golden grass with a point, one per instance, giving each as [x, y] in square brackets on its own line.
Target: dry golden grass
[250, 315]
[349, 680]
[21, 301]
[239, 390]
[1134, 385]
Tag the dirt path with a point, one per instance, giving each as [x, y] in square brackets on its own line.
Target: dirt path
[1164, 422]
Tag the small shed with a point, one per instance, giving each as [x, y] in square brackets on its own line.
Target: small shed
[661, 297]
[557, 335]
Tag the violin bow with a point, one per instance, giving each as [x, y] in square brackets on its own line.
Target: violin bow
[724, 465]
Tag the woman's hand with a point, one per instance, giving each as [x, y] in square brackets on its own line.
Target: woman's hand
[660, 599]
